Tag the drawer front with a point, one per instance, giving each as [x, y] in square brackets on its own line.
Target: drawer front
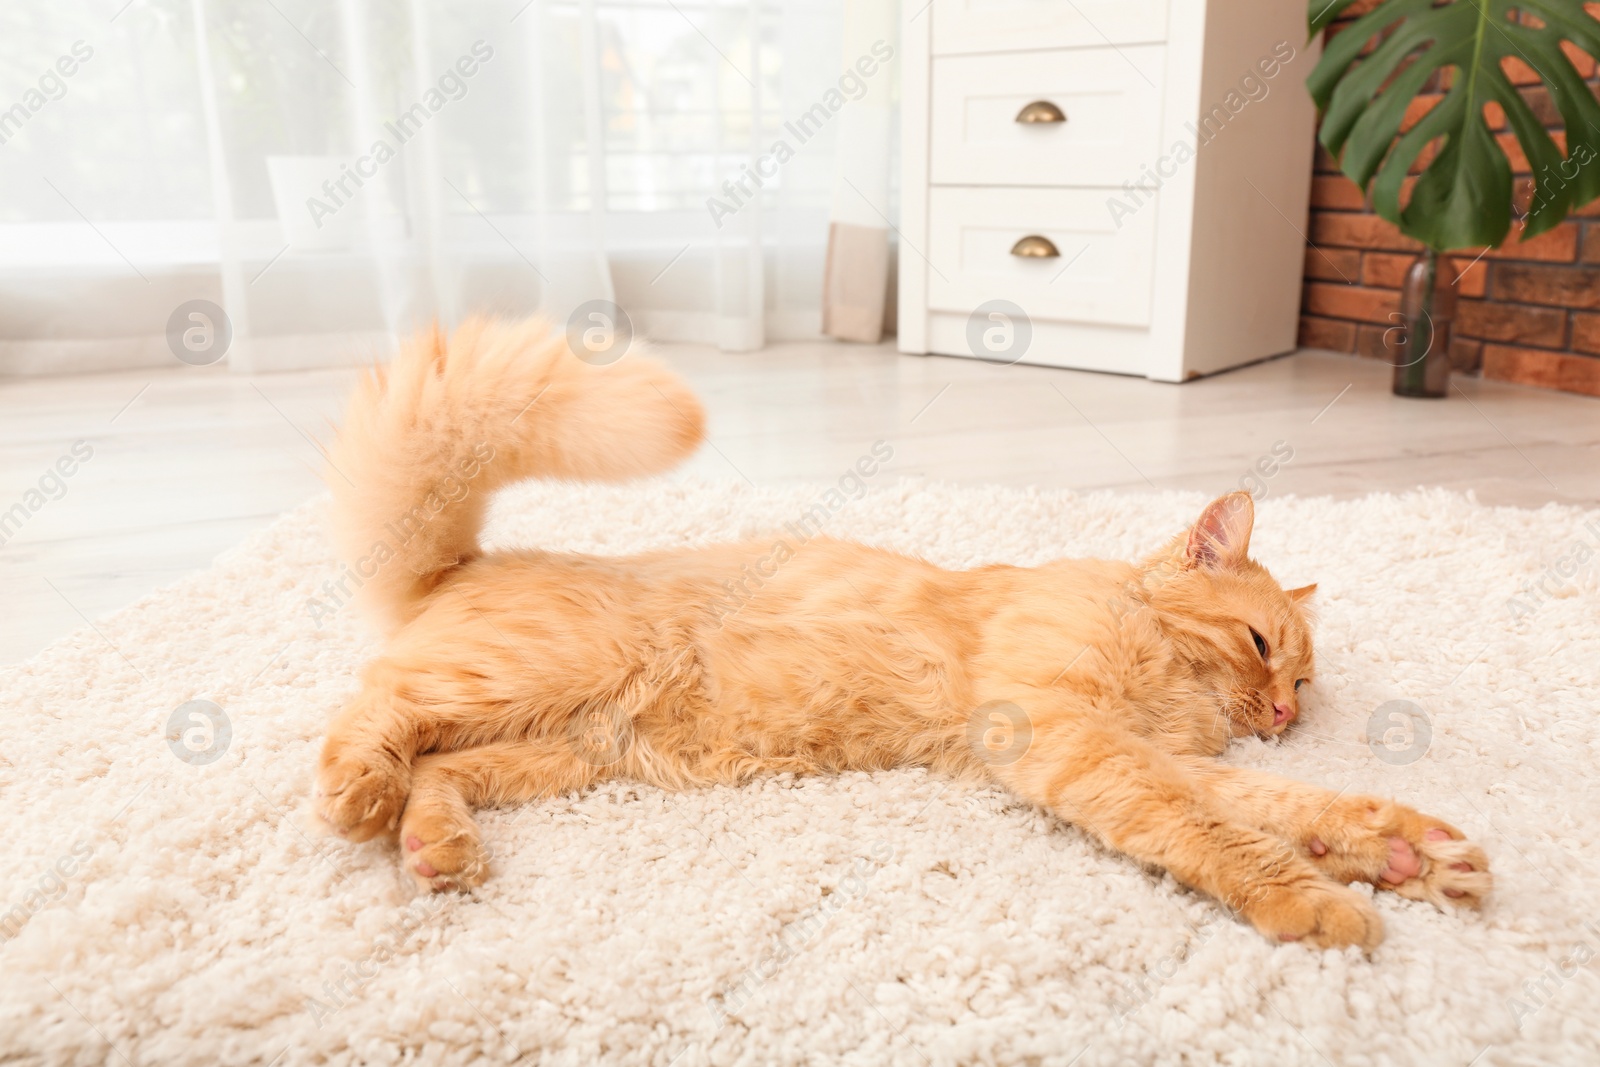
[1017, 25]
[1104, 273]
[1110, 125]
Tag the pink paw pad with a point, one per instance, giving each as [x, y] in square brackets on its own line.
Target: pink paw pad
[414, 843]
[1403, 862]
[425, 869]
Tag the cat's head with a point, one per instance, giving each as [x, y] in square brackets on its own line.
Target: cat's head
[1247, 637]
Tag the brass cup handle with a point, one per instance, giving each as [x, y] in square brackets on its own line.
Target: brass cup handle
[1040, 111]
[1035, 247]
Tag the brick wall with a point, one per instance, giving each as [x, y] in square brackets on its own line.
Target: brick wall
[1528, 312]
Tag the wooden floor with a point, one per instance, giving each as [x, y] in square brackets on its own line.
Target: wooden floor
[186, 461]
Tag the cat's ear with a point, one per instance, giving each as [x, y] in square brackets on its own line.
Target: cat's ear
[1221, 539]
[1303, 593]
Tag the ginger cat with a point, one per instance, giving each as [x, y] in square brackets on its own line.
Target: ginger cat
[510, 676]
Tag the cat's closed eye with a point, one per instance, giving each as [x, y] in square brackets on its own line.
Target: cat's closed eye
[1261, 643]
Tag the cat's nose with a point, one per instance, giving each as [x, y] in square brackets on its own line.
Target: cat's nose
[1282, 713]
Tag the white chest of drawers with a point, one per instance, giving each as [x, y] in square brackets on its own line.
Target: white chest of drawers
[1113, 185]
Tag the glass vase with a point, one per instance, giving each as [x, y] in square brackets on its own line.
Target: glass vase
[1420, 346]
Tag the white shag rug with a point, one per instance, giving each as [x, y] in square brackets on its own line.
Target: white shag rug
[163, 910]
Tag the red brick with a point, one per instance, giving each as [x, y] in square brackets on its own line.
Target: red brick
[1509, 145]
[1351, 302]
[1513, 149]
[1538, 98]
[1337, 191]
[1580, 59]
[1469, 276]
[1522, 199]
[1559, 245]
[1333, 264]
[1325, 163]
[1581, 374]
[1586, 333]
[1529, 283]
[1519, 72]
[1522, 365]
[1419, 106]
[1543, 327]
[1548, 370]
[1420, 164]
[1386, 269]
[1359, 231]
[1521, 195]
[1584, 211]
[1372, 342]
[1591, 243]
[1466, 356]
[1327, 333]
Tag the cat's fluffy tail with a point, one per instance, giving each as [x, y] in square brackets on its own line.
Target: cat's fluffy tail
[427, 439]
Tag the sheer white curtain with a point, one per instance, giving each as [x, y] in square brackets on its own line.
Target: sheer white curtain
[336, 172]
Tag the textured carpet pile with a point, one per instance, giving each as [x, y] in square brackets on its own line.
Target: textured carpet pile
[165, 908]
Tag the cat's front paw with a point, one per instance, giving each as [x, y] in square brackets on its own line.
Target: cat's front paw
[440, 846]
[1438, 865]
[1400, 849]
[360, 795]
[1322, 914]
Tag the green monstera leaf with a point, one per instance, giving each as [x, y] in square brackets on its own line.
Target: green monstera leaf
[1463, 198]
